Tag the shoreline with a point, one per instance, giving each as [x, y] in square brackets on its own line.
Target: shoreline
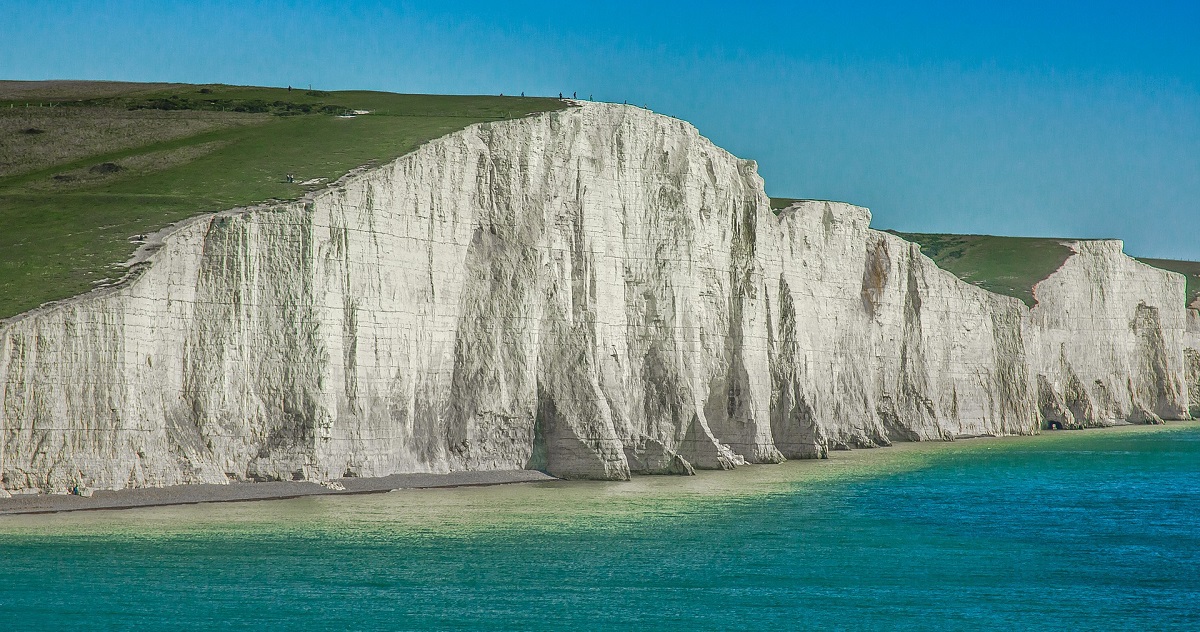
[194, 494]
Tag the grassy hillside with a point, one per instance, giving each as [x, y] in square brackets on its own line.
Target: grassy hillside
[86, 165]
[1005, 265]
[778, 204]
[1189, 269]
[1013, 265]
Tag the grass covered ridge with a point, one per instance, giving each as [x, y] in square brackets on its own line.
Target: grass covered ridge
[1004, 265]
[86, 165]
[779, 203]
[1013, 265]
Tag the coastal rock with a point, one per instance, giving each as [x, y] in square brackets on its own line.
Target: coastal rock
[878, 344]
[1111, 333]
[1191, 356]
[593, 292]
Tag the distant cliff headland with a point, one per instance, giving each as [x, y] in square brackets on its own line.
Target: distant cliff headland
[587, 289]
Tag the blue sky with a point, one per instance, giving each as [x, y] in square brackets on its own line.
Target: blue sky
[1077, 119]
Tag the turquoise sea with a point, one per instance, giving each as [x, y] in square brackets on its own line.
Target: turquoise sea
[1071, 530]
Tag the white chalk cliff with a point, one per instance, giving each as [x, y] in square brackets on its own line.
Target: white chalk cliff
[592, 292]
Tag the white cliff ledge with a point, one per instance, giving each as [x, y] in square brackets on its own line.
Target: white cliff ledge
[590, 292]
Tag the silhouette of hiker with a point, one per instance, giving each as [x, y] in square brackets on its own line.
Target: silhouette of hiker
[560, 95]
[573, 95]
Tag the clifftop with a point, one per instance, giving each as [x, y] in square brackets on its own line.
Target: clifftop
[87, 167]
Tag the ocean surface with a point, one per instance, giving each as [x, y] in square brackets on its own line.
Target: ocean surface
[1070, 530]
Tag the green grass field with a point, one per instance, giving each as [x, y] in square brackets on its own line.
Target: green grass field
[1005, 265]
[1013, 265]
[85, 165]
[778, 204]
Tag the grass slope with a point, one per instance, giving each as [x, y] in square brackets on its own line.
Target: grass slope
[779, 203]
[1005, 265]
[86, 165]
[1189, 269]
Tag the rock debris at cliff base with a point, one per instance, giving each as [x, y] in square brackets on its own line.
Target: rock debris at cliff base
[593, 292]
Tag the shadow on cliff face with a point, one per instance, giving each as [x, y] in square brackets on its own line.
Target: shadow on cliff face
[663, 407]
[1157, 380]
[568, 453]
[1192, 371]
[793, 421]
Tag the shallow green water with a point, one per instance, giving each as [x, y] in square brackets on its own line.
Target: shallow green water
[1069, 530]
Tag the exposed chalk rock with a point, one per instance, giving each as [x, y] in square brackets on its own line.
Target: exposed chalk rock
[593, 292]
[1111, 333]
[888, 346]
[1191, 357]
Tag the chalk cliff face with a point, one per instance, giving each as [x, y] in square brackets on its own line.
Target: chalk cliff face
[1111, 333]
[871, 342]
[592, 292]
[1191, 359]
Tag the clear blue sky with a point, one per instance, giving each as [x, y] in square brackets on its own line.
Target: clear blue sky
[1024, 118]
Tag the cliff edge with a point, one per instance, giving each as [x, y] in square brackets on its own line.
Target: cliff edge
[590, 292]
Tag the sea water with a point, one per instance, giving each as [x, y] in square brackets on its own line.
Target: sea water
[1071, 530]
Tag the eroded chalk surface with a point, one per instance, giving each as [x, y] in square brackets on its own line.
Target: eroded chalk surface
[590, 292]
